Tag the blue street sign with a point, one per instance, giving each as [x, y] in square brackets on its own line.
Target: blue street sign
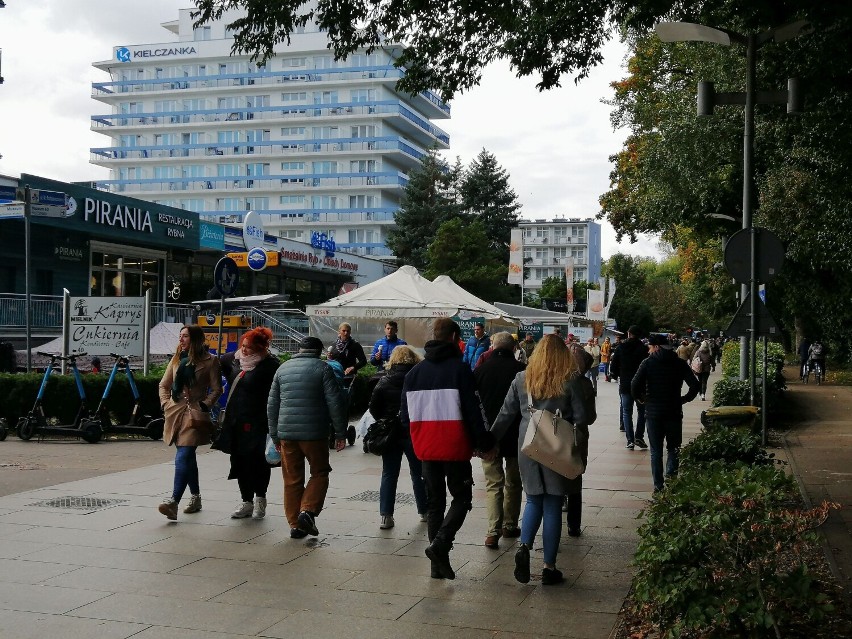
[7, 193]
[226, 276]
[256, 259]
[52, 198]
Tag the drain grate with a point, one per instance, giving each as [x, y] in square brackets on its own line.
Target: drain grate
[79, 503]
[373, 495]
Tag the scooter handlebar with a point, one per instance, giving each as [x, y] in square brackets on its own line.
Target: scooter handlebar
[117, 356]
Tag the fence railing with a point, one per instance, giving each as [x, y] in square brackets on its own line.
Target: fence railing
[45, 311]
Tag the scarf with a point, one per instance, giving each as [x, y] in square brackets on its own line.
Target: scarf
[341, 345]
[248, 362]
[184, 376]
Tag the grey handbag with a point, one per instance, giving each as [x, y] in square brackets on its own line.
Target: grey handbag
[554, 443]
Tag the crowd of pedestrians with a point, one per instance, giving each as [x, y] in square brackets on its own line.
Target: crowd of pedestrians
[462, 400]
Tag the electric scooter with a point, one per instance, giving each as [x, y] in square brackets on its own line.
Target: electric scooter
[139, 424]
[36, 423]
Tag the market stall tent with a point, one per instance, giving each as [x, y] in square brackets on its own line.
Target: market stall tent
[405, 296]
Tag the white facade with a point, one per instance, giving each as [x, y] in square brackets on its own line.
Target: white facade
[548, 243]
[313, 145]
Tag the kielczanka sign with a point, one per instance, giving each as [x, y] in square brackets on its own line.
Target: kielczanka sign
[104, 325]
[115, 217]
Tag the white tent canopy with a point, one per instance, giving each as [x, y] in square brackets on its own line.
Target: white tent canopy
[404, 296]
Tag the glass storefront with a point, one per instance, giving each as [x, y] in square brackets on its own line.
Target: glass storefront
[122, 272]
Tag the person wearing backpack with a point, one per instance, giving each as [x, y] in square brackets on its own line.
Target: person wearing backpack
[701, 363]
[816, 353]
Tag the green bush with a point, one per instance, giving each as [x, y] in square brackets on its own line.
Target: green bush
[62, 401]
[731, 391]
[725, 444]
[709, 560]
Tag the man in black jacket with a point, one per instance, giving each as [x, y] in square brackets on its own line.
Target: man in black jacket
[658, 384]
[625, 362]
[502, 485]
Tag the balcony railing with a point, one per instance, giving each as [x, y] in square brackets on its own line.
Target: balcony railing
[267, 114]
[269, 148]
[259, 183]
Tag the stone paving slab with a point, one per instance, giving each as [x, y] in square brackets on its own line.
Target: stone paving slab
[126, 571]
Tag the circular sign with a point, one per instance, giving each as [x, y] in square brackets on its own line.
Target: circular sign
[226, 276]
[256, 259]
[211, 319]
[253, 232]
[770, 255]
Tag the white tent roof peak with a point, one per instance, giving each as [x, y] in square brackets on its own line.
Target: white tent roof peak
[467, 300]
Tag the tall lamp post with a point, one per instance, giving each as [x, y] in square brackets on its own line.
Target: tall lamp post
[707, 99]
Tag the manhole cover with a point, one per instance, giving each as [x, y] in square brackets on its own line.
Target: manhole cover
[79, 503]
[373, 495]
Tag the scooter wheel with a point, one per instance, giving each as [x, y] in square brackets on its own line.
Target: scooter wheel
[155, 429]
[92, 432]
[351, 435]
[26, 428]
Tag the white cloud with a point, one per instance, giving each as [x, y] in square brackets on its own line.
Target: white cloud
[555, 145]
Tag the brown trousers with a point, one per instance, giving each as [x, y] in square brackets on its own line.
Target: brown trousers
[298, 496]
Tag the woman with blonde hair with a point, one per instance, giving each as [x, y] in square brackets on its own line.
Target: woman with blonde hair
[190, 386]
[384, 404]
[551, 381]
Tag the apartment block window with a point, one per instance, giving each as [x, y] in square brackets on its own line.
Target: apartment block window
[363, 95]
[323, 202]
[258, 135]
[295, 96]
[201, 33]
[325, 97]
[293, 131]
[363, 131]
[578, 233]
[229, 204]
[292, 199]
[362, 201]
[192, 170]
[194, 104]
[362, 166]
[289, 63]
[560, 252]
[227, 170]
[257, 203]
[527, 254]
[292, 166]
[192, 205]
[541, 273]
[528, 233]
[228, 137]
[258, 168]
[326, 168]
[541, 253]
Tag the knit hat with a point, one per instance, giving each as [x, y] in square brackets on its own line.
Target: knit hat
[310, 345]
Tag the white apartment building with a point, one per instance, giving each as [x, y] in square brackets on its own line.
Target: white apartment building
[313, 145]
[548, 243]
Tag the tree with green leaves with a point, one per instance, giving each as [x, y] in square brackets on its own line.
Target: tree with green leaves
[426, 204]
[457, 252]
[485, 193]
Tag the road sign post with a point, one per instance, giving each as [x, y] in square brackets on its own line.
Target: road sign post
[226, 276]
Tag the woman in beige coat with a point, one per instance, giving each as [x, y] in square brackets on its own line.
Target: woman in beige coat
[191, 385]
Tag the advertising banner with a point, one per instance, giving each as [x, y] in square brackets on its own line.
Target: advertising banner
[595, 309]
[466, 325]
[536, 329]
[516, 257]
[104, 325]
[569, 283]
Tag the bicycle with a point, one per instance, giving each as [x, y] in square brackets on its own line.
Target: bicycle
[815, 367]
[818, 374]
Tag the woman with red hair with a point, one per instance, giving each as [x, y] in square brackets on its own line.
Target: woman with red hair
[249, 371]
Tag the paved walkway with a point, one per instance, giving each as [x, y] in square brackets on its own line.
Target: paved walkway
[123, 571]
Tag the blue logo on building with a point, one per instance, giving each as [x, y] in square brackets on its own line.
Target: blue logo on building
[323, 242]
[122, 54]
[256, 259]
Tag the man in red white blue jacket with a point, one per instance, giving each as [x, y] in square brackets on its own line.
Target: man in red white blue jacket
[441, 406]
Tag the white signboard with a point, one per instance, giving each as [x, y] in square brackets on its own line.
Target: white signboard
[253, 232]
[516, 257]
[595, 305]
[104, 325]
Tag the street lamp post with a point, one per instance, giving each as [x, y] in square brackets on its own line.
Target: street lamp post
[707, 100]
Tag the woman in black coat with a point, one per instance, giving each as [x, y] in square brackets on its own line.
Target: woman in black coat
[384, 404]
[250, 372]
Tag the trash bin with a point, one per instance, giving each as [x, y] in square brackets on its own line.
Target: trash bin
[731, 416]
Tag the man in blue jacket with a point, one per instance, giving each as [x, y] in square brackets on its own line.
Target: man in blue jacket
[658, 384]
[383, 347]
[441, 407]
[476, 345]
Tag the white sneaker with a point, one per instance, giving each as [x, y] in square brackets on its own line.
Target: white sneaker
[243, 511]
[194, 504]
[387, 522]
[259, 508]
[424, 517]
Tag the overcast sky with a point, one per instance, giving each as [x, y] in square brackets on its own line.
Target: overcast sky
[555, 145]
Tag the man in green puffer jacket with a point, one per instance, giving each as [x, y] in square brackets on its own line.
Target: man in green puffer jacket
[306, 403]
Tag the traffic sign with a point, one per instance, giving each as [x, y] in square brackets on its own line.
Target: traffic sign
[740, 325]
[47, 210]
[226, 276]
[51, 198]
[770, 255]
[9, 193]
[256, 259]
[12, 211]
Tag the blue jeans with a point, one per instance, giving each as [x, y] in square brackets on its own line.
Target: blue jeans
[670, 430]
[627, 402]
[548, 508]
[391, 465]
[186, 472]
[592, 374]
